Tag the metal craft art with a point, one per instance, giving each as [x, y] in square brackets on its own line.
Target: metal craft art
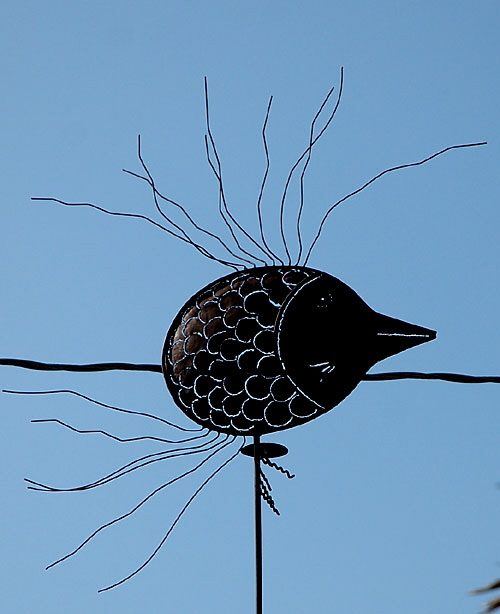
[268, 347]
[271, 348]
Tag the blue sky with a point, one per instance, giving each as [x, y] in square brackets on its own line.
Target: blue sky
[394, 507]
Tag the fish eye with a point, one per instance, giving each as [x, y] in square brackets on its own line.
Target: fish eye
[324, 302]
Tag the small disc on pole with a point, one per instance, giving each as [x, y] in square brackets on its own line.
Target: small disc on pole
[267, 450]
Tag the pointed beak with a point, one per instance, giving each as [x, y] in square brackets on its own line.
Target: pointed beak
[393, 336]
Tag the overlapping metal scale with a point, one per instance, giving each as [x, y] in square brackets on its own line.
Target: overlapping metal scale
[220, 358]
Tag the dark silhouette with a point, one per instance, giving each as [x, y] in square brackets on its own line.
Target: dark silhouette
[271, 348]
[268, 347]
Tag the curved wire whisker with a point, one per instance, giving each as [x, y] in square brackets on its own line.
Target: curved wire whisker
[223, 206]
[136, 507]
[272, 254]
[378, 176]
[138, 463]
[187, 215]
[305, 153]
[151, 182]
[312, 140]
[185, 239]
[179, 516]
[112, 407]
[111, 436]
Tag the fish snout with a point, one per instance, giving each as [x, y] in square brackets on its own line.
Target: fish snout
[390, 336]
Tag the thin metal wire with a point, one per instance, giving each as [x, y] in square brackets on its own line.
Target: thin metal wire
[138, 216]
[493, 604]
[381, 174]
[135, 508]
[273, 256]
[311, 144]
[282, 470]
[301, 157]
[187, 215]
[179, 516]
[151, 183]
[110, 435]
[218, 174]
[485, 589]
[223, 208]
[138, 463]
[304, 169]
[112, 407]
[265, 492]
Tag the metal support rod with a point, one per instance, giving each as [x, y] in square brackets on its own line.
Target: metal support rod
[258, 526]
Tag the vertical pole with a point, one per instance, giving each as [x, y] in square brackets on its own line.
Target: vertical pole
[258, 526]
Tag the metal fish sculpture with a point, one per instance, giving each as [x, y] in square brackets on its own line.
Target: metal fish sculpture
[268, 347]
[271, 348]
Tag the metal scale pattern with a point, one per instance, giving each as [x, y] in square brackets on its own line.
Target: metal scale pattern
[220, 359]
[269, 348]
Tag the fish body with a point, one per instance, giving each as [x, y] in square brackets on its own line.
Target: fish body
[270, 348]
